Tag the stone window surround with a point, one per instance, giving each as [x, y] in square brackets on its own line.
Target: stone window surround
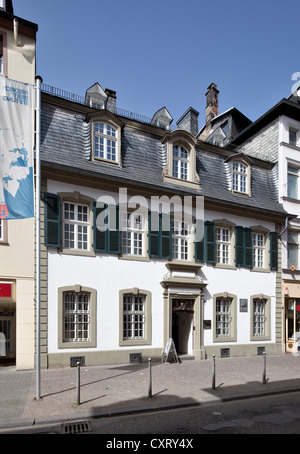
[263, 231]
[224, 223]
[4, 235]
[77, 198]
[233, 325]
[92, 313]
[267, 335]
[110, 119]
[186, 140]
[148, 318]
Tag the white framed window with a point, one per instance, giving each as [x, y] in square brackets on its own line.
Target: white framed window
[239, 177]
[76, 226]
[2, 4]
[223, 245]
[133, 233]
[293, 137]
[3, 231]
[133, 317]
[180, 162]
[293, 182]
[180, 240]
[223, 317]
[293, 249]
[259, 317]
[258, 250]
[76, 316]
[105, 141]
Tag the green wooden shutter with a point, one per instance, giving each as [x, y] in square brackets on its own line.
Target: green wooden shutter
[52, 220]
[239, 246]
[274, 251]
[166, 236]
[210, 242]
[100, 231]
[199, 245]
[248, 245]
[153, 234]
[113, 232]
[159, 235]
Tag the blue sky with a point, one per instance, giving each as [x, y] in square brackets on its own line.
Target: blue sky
[167, 52]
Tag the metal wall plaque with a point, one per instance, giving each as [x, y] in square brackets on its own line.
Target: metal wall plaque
[135, 358]
[243, 305]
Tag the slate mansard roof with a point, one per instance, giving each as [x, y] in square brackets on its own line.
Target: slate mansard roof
[66, 145]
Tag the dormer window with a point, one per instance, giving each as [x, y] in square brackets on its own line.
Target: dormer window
[105, 136]
[239, 177]
[105, 141]
[180, 162]
[181, 159]
[238, 169]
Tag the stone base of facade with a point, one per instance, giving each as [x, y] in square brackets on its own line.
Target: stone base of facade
[64, 359]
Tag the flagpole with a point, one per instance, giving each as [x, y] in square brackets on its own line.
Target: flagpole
[38, 83]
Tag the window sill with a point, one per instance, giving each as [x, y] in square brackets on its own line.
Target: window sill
[225, 267]
[246, 194]
[179, 182]
[76, 345]
[106, 161]
[77, 252]
[135, 258]
[261, 270]
[290, 199]
[132, 343]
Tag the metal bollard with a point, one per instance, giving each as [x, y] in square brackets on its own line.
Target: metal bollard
[78, 384]
[264, 375]
[150, 378]
[213, 372]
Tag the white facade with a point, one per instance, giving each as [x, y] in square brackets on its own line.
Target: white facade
[109, 275]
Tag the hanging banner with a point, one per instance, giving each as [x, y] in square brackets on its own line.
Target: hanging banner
[16, 150]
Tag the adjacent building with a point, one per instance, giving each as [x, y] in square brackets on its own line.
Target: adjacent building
[17, 301]
[275, 137]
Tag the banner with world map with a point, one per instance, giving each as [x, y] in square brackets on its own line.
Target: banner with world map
[16, 149]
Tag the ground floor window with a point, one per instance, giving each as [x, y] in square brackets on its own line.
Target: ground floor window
[76, 317]
[135, 317]
[293, 319]
[225, 319]
[260, 317]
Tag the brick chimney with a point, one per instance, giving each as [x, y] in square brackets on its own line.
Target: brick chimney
[212, 104]
[111, 103]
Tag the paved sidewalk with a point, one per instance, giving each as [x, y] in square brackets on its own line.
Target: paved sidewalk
[121, 389]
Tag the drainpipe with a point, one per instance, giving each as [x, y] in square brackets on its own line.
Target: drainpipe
[16, 32]
[286, 224]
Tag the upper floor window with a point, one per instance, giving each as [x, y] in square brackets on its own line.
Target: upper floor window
[3, 53]
[3, 231]
[133, 234]
[239, 177]
[293, 137]
[223, 238]
[258, 250]
[180, 162]
[180, 240]
[293, 182]
[181, 159]
[105, 141]
[2, 4]
[75, 226]
[293, 249]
